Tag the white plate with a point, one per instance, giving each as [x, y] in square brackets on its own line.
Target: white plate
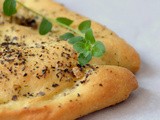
[138, 22]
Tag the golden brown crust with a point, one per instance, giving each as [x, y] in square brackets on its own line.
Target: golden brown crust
[102, 90]
[87, 90]
[118, 52]
[106, 84]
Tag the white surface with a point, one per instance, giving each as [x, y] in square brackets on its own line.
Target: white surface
[138, 22]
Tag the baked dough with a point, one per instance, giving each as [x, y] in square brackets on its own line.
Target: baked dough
[118, 52]
[40, 78]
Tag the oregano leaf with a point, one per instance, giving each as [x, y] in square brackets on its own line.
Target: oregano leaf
[84, 26]
[9, 7]
[83, 59]
[89, 36]
[79, 47]
[66, 36]
[64, 20]
[86, 53]
[45, 27]
[98, 49]
[75, 39]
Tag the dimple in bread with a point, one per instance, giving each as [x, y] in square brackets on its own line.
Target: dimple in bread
[41, 79]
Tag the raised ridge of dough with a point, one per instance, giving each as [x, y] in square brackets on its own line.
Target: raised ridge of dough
[108, 86]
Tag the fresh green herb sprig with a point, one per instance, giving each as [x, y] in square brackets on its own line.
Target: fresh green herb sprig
[84, 43]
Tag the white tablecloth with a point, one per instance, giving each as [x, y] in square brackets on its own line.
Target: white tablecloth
[138, 22]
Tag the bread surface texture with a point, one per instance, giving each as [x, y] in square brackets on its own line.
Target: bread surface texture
[99, 91]
[118, 53]
[40, 78]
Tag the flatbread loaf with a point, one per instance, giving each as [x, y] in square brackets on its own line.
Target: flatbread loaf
[40, 78]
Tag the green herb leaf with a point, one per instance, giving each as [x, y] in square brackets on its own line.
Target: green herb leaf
[9, 7]
[83, 59]
[84, 26]
[45, 27]
[66, 36]
[98, 49]
[88, 46]
[79, 47]
[65, 21]
[75, 39]
[86, 53]
[89, 36]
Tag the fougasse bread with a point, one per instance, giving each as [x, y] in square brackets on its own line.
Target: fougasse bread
[40, 78]
[118, 52]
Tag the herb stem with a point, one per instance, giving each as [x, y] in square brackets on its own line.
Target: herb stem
[29, 9]
[67, 27]
[52, 20]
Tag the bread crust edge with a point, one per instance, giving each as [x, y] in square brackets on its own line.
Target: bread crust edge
[98, 93]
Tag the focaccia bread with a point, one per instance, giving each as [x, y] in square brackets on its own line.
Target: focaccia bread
[118, 51]
[40, 78]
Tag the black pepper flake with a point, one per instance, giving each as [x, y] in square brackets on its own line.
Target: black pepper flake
[14, 98]
[80, 67]
[37, 76]
[78, 95]
[101, 85]
[43, 47]
[15, 63]
[40, 55]
[44, 71]
[66, 70]
[82, 82]
[30, 94]
[66, 55]
[55, 85]
[19, 55]
[25, 74]
[10, 69]
[60, 64]
[57, 75]
[25, 95]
